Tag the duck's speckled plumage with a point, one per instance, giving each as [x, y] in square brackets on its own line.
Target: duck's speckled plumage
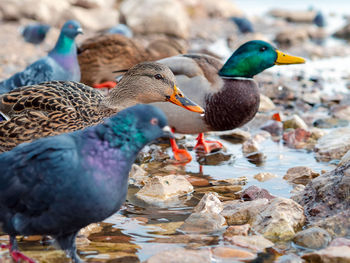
[101, 55]
[56, 107]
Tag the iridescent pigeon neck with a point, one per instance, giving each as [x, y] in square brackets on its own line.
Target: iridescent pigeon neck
[64, 46]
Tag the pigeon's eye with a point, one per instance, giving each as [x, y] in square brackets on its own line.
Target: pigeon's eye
[262, 49]
[154, 121]
[70, 26]
[158, 76]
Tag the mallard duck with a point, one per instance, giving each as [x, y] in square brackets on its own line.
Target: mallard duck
[228, 93]
[101, 55]
[61, 63]
[60, 184]
[56, 107]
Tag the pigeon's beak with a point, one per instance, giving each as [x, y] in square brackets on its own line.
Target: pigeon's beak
[167, 132]
[179, 99]
[80, 30]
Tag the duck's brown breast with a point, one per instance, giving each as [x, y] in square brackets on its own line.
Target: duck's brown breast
[233, 106]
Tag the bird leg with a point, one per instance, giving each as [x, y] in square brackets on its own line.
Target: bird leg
[15, 254]
[181, 155]
[106, 84]
[207, 146]
[67, 243]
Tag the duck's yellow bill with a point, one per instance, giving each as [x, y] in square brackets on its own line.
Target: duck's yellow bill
[284, 59]
[179, 99]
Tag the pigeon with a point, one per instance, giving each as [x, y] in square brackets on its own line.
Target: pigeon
[35, 33]
[61, 63]
[57, 185]
[320, 19]
[121, 29]
[243, 24]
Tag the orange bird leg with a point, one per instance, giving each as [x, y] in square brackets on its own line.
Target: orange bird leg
[180, 155]
[107, 84]
[15, 254]
[207, 146]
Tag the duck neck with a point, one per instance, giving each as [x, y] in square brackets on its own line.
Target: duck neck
[233, 105]
[120, 98]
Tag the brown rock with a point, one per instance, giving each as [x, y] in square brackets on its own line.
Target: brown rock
[197, 181]
[300, 175]
[263, 177]
[314, 238]
[298, 138]
[340, 241]
[203, 223]
[239, 230]
[181, 255]
[253, 192]
[228, 252]
[329, 255]
[256, 243]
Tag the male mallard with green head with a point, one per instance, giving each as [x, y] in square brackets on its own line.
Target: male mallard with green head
[228, 93]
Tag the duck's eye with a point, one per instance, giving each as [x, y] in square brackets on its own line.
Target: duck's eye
[263, 49]
[158, 76]
[154, 121]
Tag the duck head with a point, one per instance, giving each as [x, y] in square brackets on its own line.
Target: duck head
[253, 57]
[149, 82]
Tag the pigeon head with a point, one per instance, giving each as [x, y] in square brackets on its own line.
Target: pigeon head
[71, 29]
[132, 128]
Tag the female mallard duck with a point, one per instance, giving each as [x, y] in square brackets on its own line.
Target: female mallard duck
[56, 107]
[228, 93]
[100, 56]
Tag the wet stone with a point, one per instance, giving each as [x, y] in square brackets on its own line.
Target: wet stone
[238, 230]
[298, 139]
[275, 128]
[266, 104]
[300, 175]
[221, 189]
[232, 253]
[231, 181]
[235, 136]
[291, 258]
[215, 158]
[256, 243]
[138, 176]
[181, 255]
[330, 123]
[294, 123]
[253, 192]
[340, 241]
[197, 181]
[330, 254]
[263, 177]
[314, 238]
[164, 188]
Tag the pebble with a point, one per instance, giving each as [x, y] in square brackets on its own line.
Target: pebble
[314, 238]
[228, 252]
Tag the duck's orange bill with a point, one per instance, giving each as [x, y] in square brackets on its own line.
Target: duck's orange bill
[179, 99]
[285, 59]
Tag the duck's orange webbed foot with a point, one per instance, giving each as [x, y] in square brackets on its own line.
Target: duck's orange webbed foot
[107, 84]
[207, 146]
[180, 155]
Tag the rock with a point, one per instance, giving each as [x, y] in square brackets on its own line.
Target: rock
[94, 19]
[312, 97]
[280, 219]
[330, 123]
[265, 176]
[297, 188]
[181, 255]
[292, 37]
[239, 230]
[340, 241]
[40, 10]
[294, 123]
[138, 176]
[344, 32]
[256, 243]
[232, 253]
[291, 258]
[90, 4]
[159, 17]
[326, 201]
[314, 238]
[345, 159]
[250, 146]
[261, 136]
[298, 139]
[235, 136]
[294, 16]
[197, 181]
[231, 181]
[329, 255]
[221, 189]
[239, 213]
[266, 104]
[341, 112]
[300, 175]
[215, 158]
[333, 145]
[275, 128]
[221, 8]
[164, 188]
[203, 223]
[206, 216]
[253, 192]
